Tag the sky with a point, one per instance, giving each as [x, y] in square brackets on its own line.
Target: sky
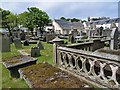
[67, 8]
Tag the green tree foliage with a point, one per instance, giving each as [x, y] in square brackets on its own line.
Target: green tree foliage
[9, 20]
[63, 18]
[22, 19]
[70, 19]
[37, 18]
[75, 20]
[4, 14]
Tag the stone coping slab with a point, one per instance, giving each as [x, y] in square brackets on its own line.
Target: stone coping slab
[22, 59]
[100, 55]
[44, 75]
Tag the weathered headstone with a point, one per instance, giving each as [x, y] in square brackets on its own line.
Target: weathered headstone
[72, 39]
[5, 44]
[40, 45]
[114, 39]
[17, 43]
[22, 35]
[35, 51]
[50, 37]
[90, 34]
[26, 43]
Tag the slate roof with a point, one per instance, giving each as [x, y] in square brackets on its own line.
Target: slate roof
[66, 25]
[108, 21]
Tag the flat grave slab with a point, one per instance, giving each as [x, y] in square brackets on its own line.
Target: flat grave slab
[44, 75]
[17, 62]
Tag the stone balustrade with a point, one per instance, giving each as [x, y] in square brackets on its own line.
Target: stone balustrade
[97, 67]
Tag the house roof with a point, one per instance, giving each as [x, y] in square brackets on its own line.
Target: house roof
[66, 25]
[108, 21]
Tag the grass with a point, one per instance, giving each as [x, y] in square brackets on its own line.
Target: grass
[9, 82]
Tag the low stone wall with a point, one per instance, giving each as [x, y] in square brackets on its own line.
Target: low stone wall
[97, 67]
[88, 46]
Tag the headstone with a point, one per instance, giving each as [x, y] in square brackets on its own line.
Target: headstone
[5, 44]
[17, 43]
[114, 39]
[11, 39]
[90, 34]
[50, 37]
[81, 33]
[72, 39]
[16, 34]
[22, 35]
[40, 45]
[35, 51]
[100, 31]
[26, 43]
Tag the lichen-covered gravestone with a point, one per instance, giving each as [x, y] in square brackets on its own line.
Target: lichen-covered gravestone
[17, 43]
[40, 45]
[5, 44]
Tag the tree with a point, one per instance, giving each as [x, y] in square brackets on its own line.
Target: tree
[9, 20]
[75, 20]
[63, 18]
[22, 19]
[37, 18]
[4, 14]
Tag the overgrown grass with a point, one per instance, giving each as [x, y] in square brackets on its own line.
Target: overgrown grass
[9, 82]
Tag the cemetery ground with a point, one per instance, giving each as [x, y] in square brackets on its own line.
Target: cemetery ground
[9, 82]
[41, 75]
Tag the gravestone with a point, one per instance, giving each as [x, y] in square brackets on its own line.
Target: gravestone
[72, 39]
[5, 44]
[35, 51]
[17, 43]
[50, 37]
[11, 39]
[22, 35]
[16, 34]
[114, 39]
[26, 43]
[81, 33]
[40, 45]
[90, 34]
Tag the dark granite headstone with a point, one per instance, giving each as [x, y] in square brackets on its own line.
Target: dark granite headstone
[35, 52]
[26, 43]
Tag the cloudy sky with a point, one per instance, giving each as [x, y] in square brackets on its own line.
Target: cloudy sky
[66, 8]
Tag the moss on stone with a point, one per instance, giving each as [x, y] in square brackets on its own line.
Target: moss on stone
[44, 75]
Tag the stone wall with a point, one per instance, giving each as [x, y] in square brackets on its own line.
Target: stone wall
[88, 46]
